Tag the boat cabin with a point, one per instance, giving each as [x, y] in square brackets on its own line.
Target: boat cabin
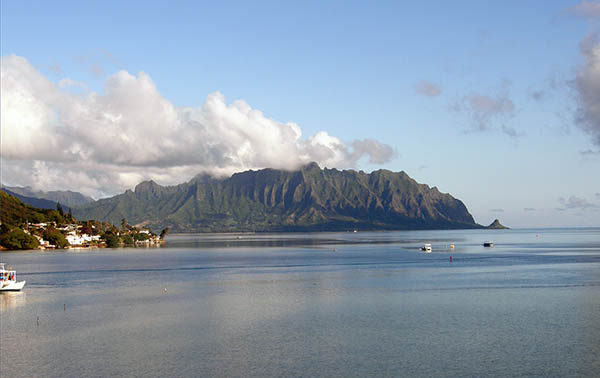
[8, 279]
[7, 275]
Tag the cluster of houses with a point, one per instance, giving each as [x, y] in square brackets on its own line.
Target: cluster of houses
[78, 238]
[73, 233]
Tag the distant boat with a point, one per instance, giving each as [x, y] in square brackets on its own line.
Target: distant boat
[426, 248]
[488, 244]
[8, 279]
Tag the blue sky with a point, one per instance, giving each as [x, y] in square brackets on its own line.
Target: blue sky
[493, 102]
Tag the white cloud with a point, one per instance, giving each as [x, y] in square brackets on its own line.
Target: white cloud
[102, 143]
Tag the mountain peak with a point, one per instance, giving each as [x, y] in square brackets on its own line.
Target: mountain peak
[311, 166]
[203, 178]
[145, 185]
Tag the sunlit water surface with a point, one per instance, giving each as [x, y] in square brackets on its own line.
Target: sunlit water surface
[310, 305]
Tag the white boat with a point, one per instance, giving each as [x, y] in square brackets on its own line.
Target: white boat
[8, 279]
[426, 248]
[488, 244]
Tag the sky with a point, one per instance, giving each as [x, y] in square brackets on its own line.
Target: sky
[494, 102]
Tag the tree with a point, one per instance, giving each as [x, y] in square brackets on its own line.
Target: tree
[112, 240]
[128, 240]
[59, 208]
[17, 239]
[124, 224]
[87, 228]
[164, 232]
[55, 216]
[55, 237]
[141, 236]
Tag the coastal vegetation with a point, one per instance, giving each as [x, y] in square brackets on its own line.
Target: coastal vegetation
[26, 227]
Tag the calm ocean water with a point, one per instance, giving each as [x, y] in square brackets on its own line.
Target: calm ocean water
[311, 305]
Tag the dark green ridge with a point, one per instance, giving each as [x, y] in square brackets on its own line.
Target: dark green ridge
[14, 213]
[271, 200]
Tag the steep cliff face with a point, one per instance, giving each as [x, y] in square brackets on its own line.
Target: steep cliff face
[310, 199]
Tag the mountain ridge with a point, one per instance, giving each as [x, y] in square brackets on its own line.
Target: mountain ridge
[64, 197]
[307, 199]
[35, 202]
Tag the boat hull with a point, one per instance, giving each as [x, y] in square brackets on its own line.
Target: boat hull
[15, 286]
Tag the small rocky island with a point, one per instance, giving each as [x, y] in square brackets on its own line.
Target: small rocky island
[496, 225]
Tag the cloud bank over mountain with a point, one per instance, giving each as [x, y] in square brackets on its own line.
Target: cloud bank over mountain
[99, 143]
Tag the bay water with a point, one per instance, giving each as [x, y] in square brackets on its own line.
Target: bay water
[364, 304]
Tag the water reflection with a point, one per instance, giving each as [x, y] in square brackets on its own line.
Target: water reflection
[11, 300]
[324, 239]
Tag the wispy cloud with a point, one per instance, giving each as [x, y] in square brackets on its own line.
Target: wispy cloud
[574, 202]
[96, 62]
[100, 143]
[510, 131]
[586, 9]
[537, 95]
[589, 153]
[529, 209]
[486, 110]
[56, 68]
[96, 69]
[427, 88]
[497, 210]
[66, 82]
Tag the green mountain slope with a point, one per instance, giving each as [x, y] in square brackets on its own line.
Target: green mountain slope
[14, 213]
[310, 199]
[35, 202]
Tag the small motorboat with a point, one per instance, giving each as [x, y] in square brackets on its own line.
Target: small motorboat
[426, 248]
[488, 244]
[8, 279]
